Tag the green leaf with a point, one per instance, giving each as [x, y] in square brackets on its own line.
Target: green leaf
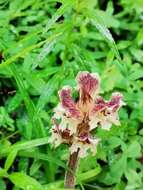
[137, 73]
[99, 24]
[21, 54]
[24, 181]
[2, 184]
[3, 173]
[54, 185]
[14, 102]
[10, 159]
[139, 38]
[66, 5]
[25, 145]
[117, 168]
[35, 166]
[133, 177]
[133, 150]
[114, 142]
[5, 120]
[89, 175]
[42, 156]
[48, 92]
[31, 109]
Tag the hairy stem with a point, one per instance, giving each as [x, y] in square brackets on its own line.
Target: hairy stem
[70, 174]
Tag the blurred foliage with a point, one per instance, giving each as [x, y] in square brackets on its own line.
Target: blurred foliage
[43, 44]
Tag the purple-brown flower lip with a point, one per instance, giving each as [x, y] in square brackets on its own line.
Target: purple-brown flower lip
[84, 138]
[68, 103]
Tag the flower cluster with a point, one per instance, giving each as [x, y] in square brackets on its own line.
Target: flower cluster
[74, 121]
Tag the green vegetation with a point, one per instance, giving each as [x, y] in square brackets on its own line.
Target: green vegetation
[43, 45]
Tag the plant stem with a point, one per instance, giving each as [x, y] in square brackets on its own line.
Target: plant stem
[70, 174]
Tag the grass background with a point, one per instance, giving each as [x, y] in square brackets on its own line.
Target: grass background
[43, 44]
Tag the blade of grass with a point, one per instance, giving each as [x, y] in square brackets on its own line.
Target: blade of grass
[81, 178]
[32, 113]
[48, 90]
[21, 53]
[25, 145]
[42, 156]
[89, 175]
[105, 32]
[66, 5]
[28, 49]
[24, 181]
[97, 21]
[10, 159]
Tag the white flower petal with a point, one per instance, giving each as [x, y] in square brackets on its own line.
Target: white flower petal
[55, 139]
[94, 143]
[83, 151]
[84, 147]
[74, 147]
[58, 111]
[69, 123]
[114, 118]
[106, 125]
[93, 123]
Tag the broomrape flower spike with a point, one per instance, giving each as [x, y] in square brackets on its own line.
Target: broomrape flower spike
[73, 121]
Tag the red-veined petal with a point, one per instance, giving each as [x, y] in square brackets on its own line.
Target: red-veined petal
[67, 102]
[88, 85]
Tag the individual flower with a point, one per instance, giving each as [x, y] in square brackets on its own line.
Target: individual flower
[74, 121]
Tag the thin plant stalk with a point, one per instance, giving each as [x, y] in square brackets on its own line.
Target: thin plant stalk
[70, 174]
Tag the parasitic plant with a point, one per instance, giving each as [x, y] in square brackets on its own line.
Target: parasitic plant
[74, 121]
